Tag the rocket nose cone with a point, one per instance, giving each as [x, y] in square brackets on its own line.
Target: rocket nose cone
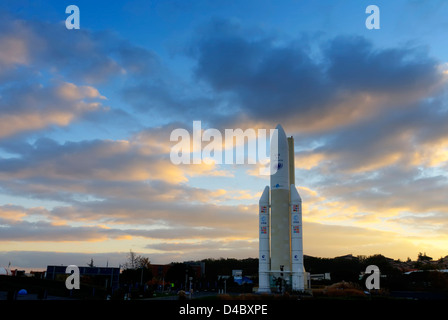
[279, 136]
[280, 128]
[265, 195]
[279, 160]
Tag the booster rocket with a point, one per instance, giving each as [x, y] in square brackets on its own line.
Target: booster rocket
[280, 220]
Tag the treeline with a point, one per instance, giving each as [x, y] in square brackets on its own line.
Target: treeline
[340, 268]
[348, 268]
[182, 276]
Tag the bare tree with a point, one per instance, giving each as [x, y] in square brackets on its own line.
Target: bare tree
[130, 261]
[90, 264]
[135, 261]
[136, 268]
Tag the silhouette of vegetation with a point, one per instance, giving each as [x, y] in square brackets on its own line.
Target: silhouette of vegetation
[137, 269]
[340, 268]
[423, 257]
[179, 272]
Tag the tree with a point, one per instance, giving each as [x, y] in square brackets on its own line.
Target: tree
[131, 262]
[135, 261]
[178, 271]
[136, 268]
[90, 264]
[423, 257]
[143, 262]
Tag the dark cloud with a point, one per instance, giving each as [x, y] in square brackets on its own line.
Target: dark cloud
[45, 231]
[284, 82]
[84, 55]
[84, 160]
[32, 52]
[383, 196]
[167, 99]
[41, 259]
[353, 63]
[118, 182]
[413, 136]
[240, 76]
[206, 244]
[168, 222]
[34, 107]
[266, 79]
[39, 59]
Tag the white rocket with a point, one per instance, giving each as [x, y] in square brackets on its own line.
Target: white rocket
[280, 220]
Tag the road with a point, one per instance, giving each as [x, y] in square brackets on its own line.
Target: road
[196, 295]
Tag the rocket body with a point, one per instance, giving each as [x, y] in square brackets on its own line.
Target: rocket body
[280, 220]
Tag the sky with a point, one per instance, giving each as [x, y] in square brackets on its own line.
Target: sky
[86, 117]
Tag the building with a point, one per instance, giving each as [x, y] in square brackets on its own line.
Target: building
[159, 270]
[320, 276]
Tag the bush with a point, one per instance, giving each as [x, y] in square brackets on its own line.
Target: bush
[340, 289]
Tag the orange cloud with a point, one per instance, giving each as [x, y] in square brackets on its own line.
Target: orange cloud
[12, 124]
[41, 107]
[307, 160]
[69, 91]
[11, 213]
[13, 51]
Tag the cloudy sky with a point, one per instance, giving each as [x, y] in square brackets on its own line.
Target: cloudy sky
[86, 117]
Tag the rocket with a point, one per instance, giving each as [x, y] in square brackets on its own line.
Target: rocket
[280, 220]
